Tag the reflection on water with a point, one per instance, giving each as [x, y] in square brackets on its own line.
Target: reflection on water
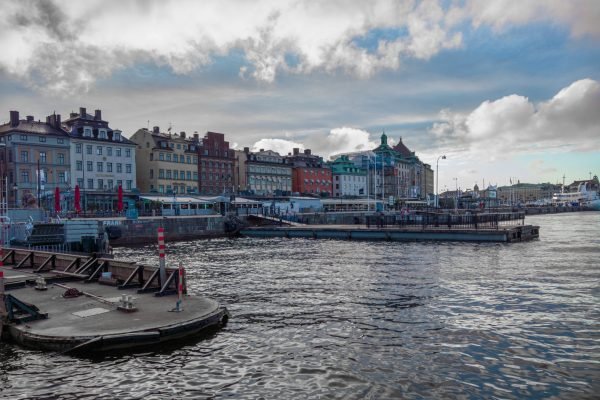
[335, 319]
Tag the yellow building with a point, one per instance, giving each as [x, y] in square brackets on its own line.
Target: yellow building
[166, 163]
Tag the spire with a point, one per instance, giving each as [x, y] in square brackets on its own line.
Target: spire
[384, 138]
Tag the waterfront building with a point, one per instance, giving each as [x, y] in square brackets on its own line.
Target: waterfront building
[240, 176]
[34, 161]
[216, 163]
[348, 178]
[102, 160]
[167, 162]
[310, 175]
[267, 172]
[524, 193]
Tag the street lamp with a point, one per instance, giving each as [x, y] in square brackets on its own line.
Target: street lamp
[437, 180]
[456, 194]
[16, 188]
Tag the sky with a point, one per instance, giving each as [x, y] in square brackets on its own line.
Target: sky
[506, 90]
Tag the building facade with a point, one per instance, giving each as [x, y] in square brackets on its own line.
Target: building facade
[267, 173]
[167, 163]
[102, 160]
[348, 178]
[215, 165]
[310, 175]
[35, 160]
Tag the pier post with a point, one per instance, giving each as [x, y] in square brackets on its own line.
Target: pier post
[161, 255]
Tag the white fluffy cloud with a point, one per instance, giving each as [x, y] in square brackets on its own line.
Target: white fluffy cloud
[282, 146]
[63, 45]
[568, 121]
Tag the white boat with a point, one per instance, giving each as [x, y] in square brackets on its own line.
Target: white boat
[582, 197]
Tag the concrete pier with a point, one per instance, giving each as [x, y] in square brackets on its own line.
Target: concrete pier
[102, 304]
[415, 233]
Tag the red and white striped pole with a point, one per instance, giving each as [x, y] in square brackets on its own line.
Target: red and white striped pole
[161, 255]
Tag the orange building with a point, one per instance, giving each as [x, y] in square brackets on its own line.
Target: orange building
[309, 174]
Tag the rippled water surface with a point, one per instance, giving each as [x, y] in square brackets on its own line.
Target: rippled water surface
[337, 319]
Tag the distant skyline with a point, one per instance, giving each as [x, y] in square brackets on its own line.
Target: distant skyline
[504, 89]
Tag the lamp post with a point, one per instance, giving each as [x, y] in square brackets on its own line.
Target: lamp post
[16, 189]
[437, 180]
[456, 194]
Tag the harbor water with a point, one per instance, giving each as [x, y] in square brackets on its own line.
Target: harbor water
[354, 320]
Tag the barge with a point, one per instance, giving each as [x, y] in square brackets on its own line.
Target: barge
[81, 304]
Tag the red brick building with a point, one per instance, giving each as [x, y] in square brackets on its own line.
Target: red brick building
[215, 165]
[309, 174]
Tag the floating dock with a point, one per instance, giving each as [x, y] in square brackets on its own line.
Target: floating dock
[71, 303]
[394, 233]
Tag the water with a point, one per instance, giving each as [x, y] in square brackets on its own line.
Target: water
[355, 320]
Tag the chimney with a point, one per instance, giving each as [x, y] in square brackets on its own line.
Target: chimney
[73, 115]
[307, 152]
[261, 150]
[30, 118]
[98, 115]
[58, 122]
[246, 149]
[14, 118]
[182, 134]
[196, 136]
[156, 129]
[296, 151]
[49, 119]
[82, 112]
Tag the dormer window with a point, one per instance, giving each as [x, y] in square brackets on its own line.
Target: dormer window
[102, 134]
[117, 136]
[87, 132]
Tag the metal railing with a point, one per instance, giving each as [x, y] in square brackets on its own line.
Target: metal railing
[448, 221]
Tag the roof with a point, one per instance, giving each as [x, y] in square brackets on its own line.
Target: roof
[402, 149]
[40, 128]
[176, 199]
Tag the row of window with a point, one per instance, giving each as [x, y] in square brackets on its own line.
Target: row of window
[174, 174]
[100, 150]
[100, 167]
[179, 146]
[102, 185]
[176, 189]
[216, 177]
[102, 134]
[269, 170]
[60, 157]
[313, 172]
[26, 177]
[353, 178]
[41, 139]
[216, 164]
[175, 158]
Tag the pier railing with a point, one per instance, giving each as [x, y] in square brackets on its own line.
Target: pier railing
[448, 220]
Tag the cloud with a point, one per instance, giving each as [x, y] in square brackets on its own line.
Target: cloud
[569, 122]
[281, 146]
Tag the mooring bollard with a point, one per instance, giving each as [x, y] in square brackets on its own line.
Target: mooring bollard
[161, 255]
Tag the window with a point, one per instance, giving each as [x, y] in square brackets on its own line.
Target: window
[80, 182]
[181, 175]
[195, 160]
[128, 184]
[42, 157]
[110, 184]
[90, 166]
[151, 174]
[128, 153]
[188, 175]
[117, 137]
[100, 184]
[161, 173]
[59, 141]
[195, 176]
[168, 174]
[99, 150]
[23, 137]
[161, 188]
[61, 158]
[151, 156]
[128, 168]
[90, 184]
[178, 146]
[24, 176]
[88, 133]
[189, 159]
[109, 151]
[161, 156]
[88, 149]
[102, 134]
[181, 159]
[42, 138]
[78, 148]
[119, 183]
[175, 174]
[79, 165]
[24, 156]
[118, 152]
[99, 167]
[119, 168]
[168, 157]
[108, 167]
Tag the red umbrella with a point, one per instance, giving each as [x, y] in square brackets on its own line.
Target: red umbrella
[120, 199]
[77, 199]
[57, 200]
